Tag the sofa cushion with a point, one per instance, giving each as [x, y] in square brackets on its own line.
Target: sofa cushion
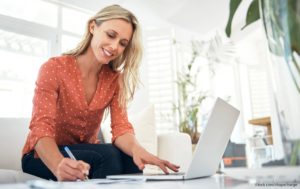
[177, 148]
[143, 123]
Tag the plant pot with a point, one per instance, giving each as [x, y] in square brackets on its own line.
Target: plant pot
[195, 137]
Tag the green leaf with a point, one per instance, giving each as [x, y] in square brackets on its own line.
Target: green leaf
[273, 26]
[294, 23]
[252, 13]
[234, 4]
[294, 29]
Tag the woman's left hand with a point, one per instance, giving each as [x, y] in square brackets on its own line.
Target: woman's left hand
[141, 157]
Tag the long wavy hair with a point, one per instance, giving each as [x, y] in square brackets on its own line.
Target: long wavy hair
[128, 62]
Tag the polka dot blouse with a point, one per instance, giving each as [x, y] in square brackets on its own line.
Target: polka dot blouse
[61, 111]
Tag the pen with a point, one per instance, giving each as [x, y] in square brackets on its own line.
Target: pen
[70, 154]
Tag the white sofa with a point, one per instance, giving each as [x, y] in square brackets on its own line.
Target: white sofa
[175, 147]
[12, 137]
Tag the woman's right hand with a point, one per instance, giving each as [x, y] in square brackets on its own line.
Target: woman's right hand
[71, 170]
[65, 169]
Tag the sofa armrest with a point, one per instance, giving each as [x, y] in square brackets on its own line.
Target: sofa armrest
[13, 135]
[176, 148]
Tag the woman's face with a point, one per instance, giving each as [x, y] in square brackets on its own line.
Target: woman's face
[110, 39]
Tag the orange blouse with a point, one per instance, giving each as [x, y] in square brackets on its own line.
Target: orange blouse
[60, 109]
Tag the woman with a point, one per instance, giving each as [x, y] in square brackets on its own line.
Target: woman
[72, 92]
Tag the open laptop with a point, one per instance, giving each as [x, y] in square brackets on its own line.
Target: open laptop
[209, 149]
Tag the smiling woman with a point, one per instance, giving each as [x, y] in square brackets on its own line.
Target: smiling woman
[73, 91]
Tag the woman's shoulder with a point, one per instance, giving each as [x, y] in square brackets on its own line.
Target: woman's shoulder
[61, 60]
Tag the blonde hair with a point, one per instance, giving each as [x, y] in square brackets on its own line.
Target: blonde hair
[128, 63]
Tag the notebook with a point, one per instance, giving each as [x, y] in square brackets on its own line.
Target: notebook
[209, 149]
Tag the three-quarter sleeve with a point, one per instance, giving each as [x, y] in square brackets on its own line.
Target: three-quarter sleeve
[44, 104]
[119, 119]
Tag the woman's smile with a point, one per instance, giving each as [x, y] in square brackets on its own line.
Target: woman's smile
[107, 52]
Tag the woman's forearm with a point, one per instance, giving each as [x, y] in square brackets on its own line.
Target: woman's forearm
[49, 153]
[127, 143]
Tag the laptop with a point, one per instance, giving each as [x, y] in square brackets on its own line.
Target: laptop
[209, 149]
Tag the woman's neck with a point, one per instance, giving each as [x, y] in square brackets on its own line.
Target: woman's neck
[88, 64]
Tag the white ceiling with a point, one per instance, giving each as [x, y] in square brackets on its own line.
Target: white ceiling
[199, 16]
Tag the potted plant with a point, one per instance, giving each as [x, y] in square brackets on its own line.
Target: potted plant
[189, 97]
[281, 21]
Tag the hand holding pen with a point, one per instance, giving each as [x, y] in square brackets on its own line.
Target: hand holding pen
[72, 169]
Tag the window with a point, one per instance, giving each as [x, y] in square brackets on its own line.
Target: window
[259, 91]
[73, 27]
[37, 11]
[255, 87]
[161, 78]
[74, 21]
[28, 37]
[21, 57]
[68, 42]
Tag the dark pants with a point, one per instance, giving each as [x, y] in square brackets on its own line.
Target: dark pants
[104, 159]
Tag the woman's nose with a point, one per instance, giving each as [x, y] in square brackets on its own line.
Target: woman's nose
[114, 45]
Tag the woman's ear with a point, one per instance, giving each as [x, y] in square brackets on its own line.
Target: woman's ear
[92, 26]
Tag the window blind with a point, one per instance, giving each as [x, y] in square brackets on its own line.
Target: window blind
[161, 77]
[259, 91]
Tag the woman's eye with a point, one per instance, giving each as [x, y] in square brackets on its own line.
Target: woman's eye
[110, 35]
[123, 44]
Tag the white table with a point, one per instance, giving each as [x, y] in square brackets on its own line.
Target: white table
[214, 182]
[287, 177]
